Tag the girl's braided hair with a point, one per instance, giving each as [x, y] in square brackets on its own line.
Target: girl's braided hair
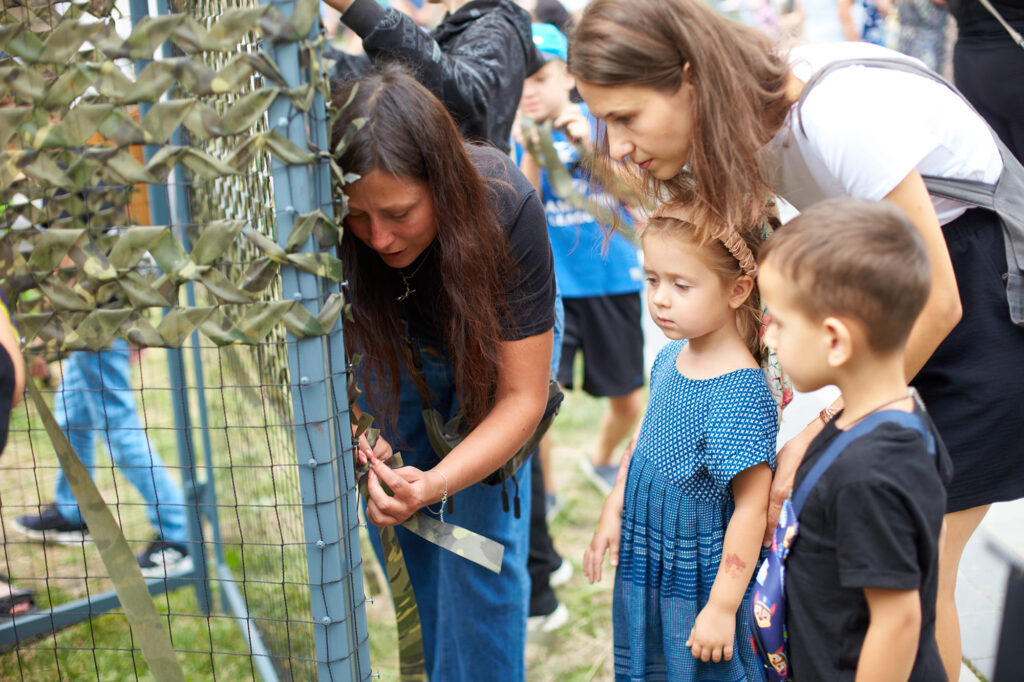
[730, 253]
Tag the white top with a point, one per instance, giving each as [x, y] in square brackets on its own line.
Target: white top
[867, 128]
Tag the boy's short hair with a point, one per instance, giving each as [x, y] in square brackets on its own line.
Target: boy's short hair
[855, 258]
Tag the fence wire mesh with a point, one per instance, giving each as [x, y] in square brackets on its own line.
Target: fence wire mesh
[144, 251]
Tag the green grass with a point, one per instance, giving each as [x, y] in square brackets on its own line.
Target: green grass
[257, 493]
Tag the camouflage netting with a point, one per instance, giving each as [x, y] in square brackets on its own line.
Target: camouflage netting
[91, 126]
[68, 175]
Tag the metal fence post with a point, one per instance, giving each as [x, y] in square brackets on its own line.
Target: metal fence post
[161, 214]
[322, 437]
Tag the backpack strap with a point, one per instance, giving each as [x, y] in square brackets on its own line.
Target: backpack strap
[1005, 198]
[908, 420]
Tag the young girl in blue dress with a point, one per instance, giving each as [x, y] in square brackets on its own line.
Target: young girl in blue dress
[685, 519]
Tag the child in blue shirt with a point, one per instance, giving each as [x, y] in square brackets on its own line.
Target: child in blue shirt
[684, 522]
[599, 279]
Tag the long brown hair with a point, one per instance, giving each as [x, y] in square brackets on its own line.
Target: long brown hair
[408, 133]
[740, 97]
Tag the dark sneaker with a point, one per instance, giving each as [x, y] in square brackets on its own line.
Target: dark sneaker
[162, 559]
[50, 526]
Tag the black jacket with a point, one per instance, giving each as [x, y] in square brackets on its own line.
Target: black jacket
[475, 61]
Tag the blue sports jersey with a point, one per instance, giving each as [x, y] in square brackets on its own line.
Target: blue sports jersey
[583, 267]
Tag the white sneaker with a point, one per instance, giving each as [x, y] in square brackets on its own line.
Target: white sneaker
[162, 559]
[561, 575]
[549, 622]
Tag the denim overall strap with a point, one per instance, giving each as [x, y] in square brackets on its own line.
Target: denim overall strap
[907, 420]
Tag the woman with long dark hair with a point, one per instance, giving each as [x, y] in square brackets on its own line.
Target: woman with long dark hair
[708, 111]
[451, 284]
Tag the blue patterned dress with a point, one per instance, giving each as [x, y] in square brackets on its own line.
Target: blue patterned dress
[696, 435]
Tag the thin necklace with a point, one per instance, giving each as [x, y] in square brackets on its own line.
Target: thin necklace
[885, 404]
[408, 278]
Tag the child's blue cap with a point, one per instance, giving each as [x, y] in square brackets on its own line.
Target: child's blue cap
[551, 42]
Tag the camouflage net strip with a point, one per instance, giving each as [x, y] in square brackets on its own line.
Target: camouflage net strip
[112, 268]
[62, 192]
[467, 544]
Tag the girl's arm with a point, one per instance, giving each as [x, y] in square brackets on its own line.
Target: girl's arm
[609, 526]
[713, 632]
[519, 403]
[941, 313]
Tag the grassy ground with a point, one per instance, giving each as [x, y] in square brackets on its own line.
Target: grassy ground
[211, 647]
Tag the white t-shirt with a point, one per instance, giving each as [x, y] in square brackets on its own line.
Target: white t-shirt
[867, 128]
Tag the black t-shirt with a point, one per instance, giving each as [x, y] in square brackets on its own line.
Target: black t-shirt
[976, 24]
[531, 296]
[873, 520]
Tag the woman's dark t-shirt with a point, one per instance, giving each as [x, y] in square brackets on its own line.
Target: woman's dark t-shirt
[530, 293]
[873, 520]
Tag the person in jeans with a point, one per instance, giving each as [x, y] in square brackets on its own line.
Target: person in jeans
[96, 398]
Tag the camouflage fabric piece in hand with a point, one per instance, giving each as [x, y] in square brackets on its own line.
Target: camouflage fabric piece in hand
[465, 543]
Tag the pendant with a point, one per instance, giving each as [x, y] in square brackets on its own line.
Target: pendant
[408, 292]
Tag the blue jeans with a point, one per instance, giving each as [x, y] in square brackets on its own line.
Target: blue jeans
[473, 621]
[95, 398]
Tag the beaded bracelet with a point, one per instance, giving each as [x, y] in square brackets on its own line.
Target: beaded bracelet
[826, 415]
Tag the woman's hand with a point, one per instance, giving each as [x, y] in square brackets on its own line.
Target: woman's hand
[713, 634]
[380, 451]
[787, 461]
[606, 539]
[411, 488]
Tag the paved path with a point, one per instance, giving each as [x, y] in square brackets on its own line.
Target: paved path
[981, 587]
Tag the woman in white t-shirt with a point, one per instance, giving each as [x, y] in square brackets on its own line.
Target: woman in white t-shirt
[706, 110]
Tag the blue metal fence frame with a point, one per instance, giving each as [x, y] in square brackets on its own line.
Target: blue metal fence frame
[319, 398]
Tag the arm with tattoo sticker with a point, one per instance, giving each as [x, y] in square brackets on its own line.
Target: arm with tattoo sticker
[714, 630]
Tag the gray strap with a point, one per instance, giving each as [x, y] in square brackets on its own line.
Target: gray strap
[1005, 198]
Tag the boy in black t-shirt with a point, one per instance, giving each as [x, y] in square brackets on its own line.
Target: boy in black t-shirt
[844, 283]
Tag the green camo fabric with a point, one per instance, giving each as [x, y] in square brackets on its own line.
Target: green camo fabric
[147, 625]
[467, 544]
[65, 231]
